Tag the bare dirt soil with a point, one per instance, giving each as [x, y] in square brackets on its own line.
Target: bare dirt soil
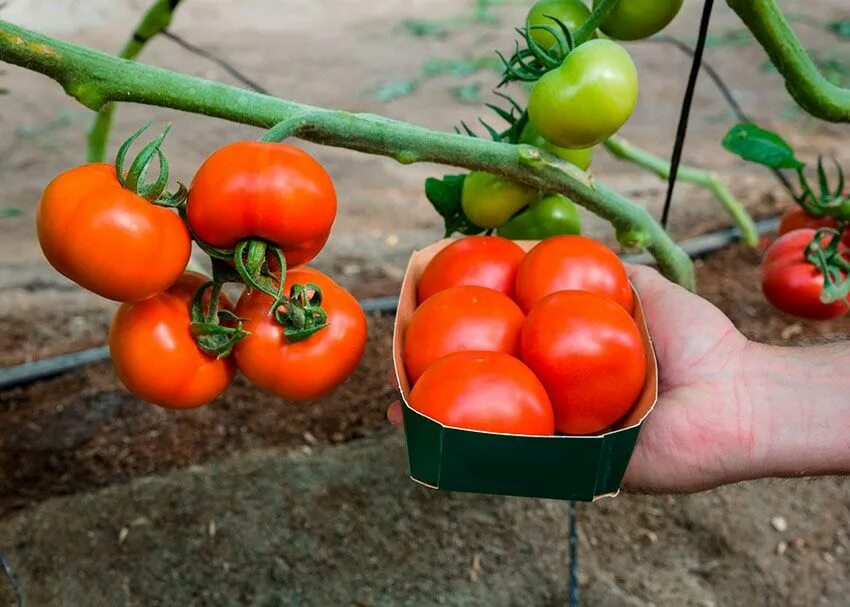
[255, 501]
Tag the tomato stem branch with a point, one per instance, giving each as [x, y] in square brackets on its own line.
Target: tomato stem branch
[155, 21]
[95, 79]
[600, 11]
[809, 88]
[625, 150]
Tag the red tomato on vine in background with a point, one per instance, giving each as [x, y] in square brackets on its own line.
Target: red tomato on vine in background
[461, 319]
[567, 263]
[107, 238]
[794, 285]
[484, 391]
[483, 261]
[588, 353]
[797, 218]
[156, 356]
[306, 369]
[266, 191]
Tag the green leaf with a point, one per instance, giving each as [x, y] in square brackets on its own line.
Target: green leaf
[390, 91]
[761, 146]
[11, 212]
[841, 28]
[425, 28]
[467, 93]
[445, 195]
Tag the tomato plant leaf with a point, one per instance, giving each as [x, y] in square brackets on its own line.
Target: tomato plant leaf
[753, 143]
[445, 195]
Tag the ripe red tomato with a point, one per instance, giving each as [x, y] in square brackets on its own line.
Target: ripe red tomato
[108, 239]
[484, 261]
[587, 352]
[306, 369]
[155, 355]
[567, 263]
[461, 319]
[485, 391]
[269, 191]
[797, 218]
[791, 283]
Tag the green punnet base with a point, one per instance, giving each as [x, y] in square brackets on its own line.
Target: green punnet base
[557, 467]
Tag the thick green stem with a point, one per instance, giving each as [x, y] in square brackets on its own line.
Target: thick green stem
[807, 86]
[94, 79]
[600, 11]
[155, 20]
[624, 150]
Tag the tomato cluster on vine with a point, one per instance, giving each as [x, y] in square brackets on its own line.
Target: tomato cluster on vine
[524, 343]
[582, 91]
[260, 210]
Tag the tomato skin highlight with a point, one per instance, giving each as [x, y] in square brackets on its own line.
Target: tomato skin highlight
[155, 355]
[587, 352]
[793, 285]
[269, 191]
[572, 13]
[565, 263]
[552, 215]
[588, 98]
[484, 391]
[483, 261]
[461, 319]
[307, 369]
[638, 19]
[108, 239]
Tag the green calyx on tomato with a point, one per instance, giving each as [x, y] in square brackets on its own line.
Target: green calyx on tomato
[489, 201]
[215, 329]
[638, 19]
[572, 13]
[588, 98]
[134, 178]
[552, 215]
[580, 157]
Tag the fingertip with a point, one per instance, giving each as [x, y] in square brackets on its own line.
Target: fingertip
[394, 414]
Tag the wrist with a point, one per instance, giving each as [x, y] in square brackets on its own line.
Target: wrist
[798, 400]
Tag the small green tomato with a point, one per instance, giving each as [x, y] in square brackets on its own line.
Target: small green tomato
[588, 98]
[489, 201]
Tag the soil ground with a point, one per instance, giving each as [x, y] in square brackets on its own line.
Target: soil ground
[254, 501]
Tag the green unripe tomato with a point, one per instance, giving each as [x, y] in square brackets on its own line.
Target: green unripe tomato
[489, 201]
[588, 98]
[552, 215]
[581, 157]
[573, 13]
[637, 19]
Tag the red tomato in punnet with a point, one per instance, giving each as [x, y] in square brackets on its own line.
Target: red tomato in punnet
[108, 239]
[565, 263]
[461, 319]
[155, 355]
[269, 191]
[484, 391]
[483, 261]
[791, 283]
[588, 353]
[306, 369]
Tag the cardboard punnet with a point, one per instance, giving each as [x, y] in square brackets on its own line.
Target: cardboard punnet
[558, 467]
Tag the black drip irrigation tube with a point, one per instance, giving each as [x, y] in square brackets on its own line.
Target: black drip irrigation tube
[28, 373]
